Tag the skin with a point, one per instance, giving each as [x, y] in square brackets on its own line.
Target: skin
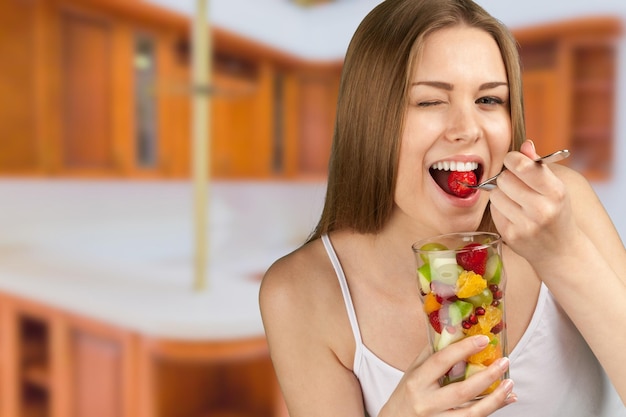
[457, 110]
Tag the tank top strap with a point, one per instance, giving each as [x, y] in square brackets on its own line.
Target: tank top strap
[343, 283]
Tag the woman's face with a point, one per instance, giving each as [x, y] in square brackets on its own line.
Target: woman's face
[457, 119]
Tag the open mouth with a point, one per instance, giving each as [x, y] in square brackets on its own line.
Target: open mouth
[454, 176]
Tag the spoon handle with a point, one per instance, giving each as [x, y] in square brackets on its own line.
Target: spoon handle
[489, 184]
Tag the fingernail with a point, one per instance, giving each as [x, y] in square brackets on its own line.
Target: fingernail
[503, 363]
[532, 143]
[481, 341]
[510, 399]
[507, 386]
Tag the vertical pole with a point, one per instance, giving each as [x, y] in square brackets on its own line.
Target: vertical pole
[201, 56]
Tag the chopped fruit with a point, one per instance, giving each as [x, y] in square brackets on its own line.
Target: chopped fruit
[470, 284]
[458, 183]
[497, 328]
[443, 291]
[424, 278]
[493, 269]
[430, 303]
[493, 316]
[433, 317]
[497, 292]
[486, 356]
[432, 246]
[483, 299]
[449, 335]
[456, 373]
[473, 368]
[473, 257]
[458, 311]
[462, 294]
[446, 273]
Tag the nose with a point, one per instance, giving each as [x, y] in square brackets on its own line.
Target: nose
[463, 124]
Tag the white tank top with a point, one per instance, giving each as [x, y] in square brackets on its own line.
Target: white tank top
[555, 372]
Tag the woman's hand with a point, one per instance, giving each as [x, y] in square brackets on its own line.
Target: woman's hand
[419, 392]
[531, 207]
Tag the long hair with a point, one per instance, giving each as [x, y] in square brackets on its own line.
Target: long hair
[373, 96]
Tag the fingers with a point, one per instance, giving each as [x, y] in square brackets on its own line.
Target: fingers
[524, 172]
[419, 392]
[501, 397]
[465, 391]
[528, 149]
[440, 362]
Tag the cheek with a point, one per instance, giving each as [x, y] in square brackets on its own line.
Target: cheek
[501, 135]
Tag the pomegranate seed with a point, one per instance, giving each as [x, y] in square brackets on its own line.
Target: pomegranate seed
[473, 319]
[467, 325]
[498, 295]
[494, 288]
[480, 311]
[497, 328]
[495, 303]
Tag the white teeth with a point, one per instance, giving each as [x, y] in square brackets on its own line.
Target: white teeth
[455, 166]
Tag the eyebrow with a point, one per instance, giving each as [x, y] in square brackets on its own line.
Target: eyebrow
[450, 87]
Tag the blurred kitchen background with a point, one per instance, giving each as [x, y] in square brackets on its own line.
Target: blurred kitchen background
[99, 315]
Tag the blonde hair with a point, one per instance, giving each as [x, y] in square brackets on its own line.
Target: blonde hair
[372, 102]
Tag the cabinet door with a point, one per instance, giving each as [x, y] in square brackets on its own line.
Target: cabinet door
[242, 119]
[87, 140]
[103, 370]
[97, 372]
[546, 122]
[18, 144]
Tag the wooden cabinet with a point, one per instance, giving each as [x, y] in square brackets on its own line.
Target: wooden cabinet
[569, 75]
[75, 83]
[103, 88]
[57, 364]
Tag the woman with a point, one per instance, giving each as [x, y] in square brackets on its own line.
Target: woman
[428, 81]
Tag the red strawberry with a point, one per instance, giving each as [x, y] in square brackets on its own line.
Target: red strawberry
[473, 259]
[457, 181]
[434, 321]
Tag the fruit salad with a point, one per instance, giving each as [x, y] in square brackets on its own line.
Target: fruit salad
[462, 293]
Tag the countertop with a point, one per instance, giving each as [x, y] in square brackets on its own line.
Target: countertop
[121, 251]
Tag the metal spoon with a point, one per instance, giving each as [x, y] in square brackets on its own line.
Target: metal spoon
[489, 184]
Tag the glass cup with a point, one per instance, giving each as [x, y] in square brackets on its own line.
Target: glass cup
[462, 281]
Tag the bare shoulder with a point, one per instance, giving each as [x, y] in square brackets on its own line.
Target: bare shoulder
[299, 289]
[297, 277]
[308, 334]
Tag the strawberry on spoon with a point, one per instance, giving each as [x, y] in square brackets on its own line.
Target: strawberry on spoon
[458, 182]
